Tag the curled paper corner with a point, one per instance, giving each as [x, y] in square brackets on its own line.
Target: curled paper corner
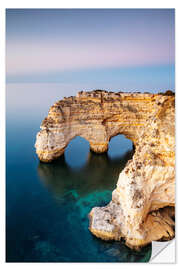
[163, 252]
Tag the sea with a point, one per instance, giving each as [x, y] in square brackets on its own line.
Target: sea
[47, 205]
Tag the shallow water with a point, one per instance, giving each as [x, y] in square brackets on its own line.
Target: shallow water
[47, 205]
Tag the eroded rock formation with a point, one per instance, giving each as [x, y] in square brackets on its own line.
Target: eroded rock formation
[147, 182]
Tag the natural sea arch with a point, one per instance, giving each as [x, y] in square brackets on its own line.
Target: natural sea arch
[76, 153]
[96, 116]
[148, 120]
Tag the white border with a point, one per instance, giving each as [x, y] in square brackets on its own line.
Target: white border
[71, 4]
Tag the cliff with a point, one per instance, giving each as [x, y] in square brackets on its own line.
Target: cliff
[147, 182]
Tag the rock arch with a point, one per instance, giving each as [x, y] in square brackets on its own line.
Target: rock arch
[147, 183]
[96, 116]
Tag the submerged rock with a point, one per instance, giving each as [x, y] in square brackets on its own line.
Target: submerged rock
[146, 185]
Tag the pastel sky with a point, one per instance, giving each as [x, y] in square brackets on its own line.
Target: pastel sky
[132, 47]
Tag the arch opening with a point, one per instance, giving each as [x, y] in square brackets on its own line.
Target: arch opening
[76, 153]
[119, 145]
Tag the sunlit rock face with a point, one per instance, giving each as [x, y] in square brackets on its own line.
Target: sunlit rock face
[147, 182]
[96, 116]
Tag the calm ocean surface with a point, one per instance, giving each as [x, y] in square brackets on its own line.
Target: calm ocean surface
[47, 205]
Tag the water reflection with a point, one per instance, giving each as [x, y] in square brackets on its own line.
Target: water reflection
[75, 193]
[100, 172]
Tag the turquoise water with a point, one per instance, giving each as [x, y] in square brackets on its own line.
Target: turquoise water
[47, 205]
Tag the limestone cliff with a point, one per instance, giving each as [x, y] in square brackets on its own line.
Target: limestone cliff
[147, 182]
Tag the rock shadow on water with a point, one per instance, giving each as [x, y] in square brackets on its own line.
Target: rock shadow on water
[99, 173]
[76, 192]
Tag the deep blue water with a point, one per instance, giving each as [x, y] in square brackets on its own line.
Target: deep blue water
[47, 205]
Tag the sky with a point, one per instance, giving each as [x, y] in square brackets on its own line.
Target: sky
[115, 48]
